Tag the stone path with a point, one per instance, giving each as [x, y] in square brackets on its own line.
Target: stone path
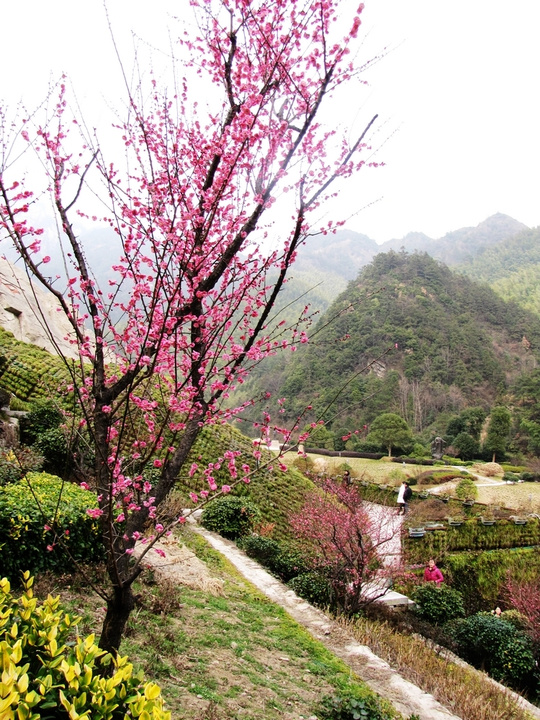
[404, 695]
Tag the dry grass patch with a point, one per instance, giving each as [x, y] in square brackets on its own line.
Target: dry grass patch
[522, 497]
[468, 692]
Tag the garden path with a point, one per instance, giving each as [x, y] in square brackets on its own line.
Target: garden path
[377, 673]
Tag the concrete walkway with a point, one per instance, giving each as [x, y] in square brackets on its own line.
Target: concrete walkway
[406, 697]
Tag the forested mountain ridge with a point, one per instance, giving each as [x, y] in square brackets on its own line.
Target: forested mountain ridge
[511, 268]
[444, 343]
[460, 246]
[326, 262]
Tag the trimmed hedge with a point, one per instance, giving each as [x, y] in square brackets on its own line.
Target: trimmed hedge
[279, 557]
[472, 535]
[44, 526]
[230, 516]
[438, 603]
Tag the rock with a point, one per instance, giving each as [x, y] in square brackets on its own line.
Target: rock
[32, 314]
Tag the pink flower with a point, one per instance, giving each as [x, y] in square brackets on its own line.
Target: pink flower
[159, 551]
[94, 512]
[194, 497]
[46, 259]
[85, 486]
[106, 409]
[158, 463]
[225, 488]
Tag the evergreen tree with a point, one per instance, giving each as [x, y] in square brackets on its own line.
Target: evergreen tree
[498, 431]
[390, 430]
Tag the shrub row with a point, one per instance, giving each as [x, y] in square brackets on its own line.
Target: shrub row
[282, 560]
[472, 535]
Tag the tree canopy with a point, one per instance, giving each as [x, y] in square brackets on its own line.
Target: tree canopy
[185, 310]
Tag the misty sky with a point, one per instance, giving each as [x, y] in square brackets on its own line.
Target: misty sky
[456, 95]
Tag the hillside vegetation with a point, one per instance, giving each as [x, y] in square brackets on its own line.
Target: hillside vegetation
[409, 336]
[512, 269]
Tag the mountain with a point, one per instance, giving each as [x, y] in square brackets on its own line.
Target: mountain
[326, 262]
[511, 268]
[408, 336]
[460, 246]
[342, 253]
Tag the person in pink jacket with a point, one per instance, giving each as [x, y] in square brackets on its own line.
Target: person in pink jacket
[432, 573]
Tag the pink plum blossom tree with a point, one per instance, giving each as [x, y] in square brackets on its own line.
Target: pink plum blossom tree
[346, 544]
[185, 310]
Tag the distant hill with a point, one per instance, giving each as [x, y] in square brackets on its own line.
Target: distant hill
[462, 245]
[327, 262]
[434, 341]
[511, 268]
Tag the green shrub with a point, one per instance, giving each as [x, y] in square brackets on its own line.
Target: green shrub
[44, 415]
[419, 451]
[53, 446]
[313, 587]
[438, 604]
[530, 477]
[259, 548]
[466, 490]
[510, 477]
[49, 673]
[230, 516]
[495, 645]
[351, 706]
[44, 525]
[281, 559]
[288, 563]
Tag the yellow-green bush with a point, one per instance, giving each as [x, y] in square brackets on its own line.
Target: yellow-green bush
[46, 674]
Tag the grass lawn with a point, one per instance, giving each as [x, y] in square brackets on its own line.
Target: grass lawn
[523, 497]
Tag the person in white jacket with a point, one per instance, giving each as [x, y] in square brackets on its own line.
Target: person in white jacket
[404, 494]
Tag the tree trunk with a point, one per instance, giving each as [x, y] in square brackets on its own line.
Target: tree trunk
[119, 607]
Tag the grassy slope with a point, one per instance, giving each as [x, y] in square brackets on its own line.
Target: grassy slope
[276, 493]
[240, 657]
[520, 497]
[229, 657]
